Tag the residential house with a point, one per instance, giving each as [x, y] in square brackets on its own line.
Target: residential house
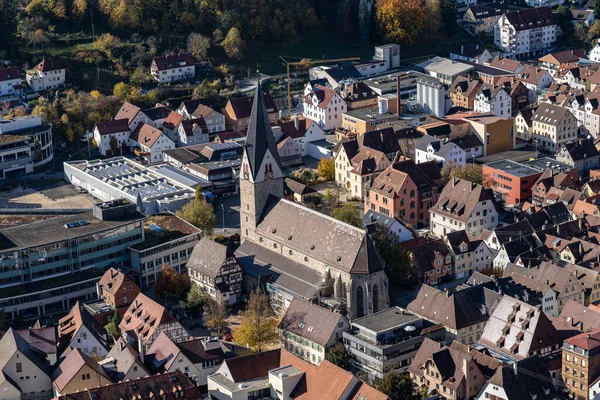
[430, 148]
[469, 254]
[192, 131]
[580, 154]
[171, 125]
[358, 122]
[290, 151]
[145, 319]
[585, 109]
[118, 288]
[112, 135]
[308, 330]
[506, 64]
[562, 281]
[214, 267]
[473, 53]
[463, 313]
[155, 116]
[358, 95]
[552, 61]
[406, 190]
[80, 330]
[214, 120]
[169, 386]
[24, 369]
[526, 32]
[388, 340]
[394, 225]
[308, 134]
[463, 91]
[237, 112]
[432, 262]
[552, 126]
[324, 106]
[501, 235]
[524, 124]
[44, 339]
[524, 251]
[481, 18]
[258, 375]
[298, 191]
[589, 278]
[517, 330]
[463, 205]
[578, 77]
[445, 69]
[594, 53]
[188, 107]
[173, 68]
[124, 363]
[530, 375]
[576, 318]
[453, 372]
[48, 74]
[77, 372]
[549, 187]
[494, 100]
[408, 137]
[535, 78]
[149, 143]
[11, 83]
[191, 357]
[580, 359]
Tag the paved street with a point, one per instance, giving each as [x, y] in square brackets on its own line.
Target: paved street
[228, 209]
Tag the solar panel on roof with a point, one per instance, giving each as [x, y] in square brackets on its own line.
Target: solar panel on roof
[155, 228]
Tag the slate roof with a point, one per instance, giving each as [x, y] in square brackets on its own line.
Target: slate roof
[10, 73]
[454, 310]
[208, 257]
[158, 112]
[459, 199]
[242, 107]
[114, 126]
[550, 114]
[260, 137]
[191, 105]
[531, 18]
[551, 214]
[423, 255]
[310, 321]
[298, 187]
[532, 377]
[326, 239]
[174, 61]
[468, 87]
[246, 368]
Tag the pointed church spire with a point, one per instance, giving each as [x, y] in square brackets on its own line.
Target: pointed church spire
[260, 137]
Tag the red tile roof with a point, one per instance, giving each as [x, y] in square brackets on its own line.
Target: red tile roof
[146, 134]
[174, 61]
[49, 64]
[114, 126]
[586, 341]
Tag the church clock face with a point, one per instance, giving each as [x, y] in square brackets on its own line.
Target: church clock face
[245, 175]
[269, 175]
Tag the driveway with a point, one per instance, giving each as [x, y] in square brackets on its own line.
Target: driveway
[227, 211]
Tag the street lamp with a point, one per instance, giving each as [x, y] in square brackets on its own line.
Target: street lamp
[223, 213]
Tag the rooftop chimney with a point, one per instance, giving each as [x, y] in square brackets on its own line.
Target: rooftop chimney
[141, 349]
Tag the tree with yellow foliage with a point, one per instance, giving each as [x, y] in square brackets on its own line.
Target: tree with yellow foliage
[326, 168]
[258, 326]
[401, 20]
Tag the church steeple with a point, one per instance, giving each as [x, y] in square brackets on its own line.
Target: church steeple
[261, 175]
[260, 139]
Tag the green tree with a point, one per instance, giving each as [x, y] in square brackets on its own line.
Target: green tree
[113, 326]
[122, 90]
[258, 326]
[139, 76]
[326, 168]
[198, 45]
[348, 214]
[217, 316]
[398, 386]
[199, 213]
[233, 44]
[399, 266]
[469, 172]
[448, 12]
[194, 300]
[339, 356]
[8, 25]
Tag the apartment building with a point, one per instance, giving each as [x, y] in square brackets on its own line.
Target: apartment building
[470, 254]
[463, 92]
[481, 18]
[494, 100]
[388, 340]
[173, 68]
[526, 32]
[80, 330]
[11, 83]
[48, 266]
[432, 262]
[41, 149]
[324, 106]
[552, 126]
[48, 74]
[149, 143]
[510, 180]
[463, 205]
[406, 190]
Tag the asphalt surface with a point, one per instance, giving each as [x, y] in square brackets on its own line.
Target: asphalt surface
[227, 211]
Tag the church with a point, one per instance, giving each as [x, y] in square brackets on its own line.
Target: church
[294, 251]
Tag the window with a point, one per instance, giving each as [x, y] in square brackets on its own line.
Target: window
[19, 367]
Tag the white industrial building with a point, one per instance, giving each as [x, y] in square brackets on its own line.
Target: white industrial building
[39, 134]
[431, 96]
[119, 177]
